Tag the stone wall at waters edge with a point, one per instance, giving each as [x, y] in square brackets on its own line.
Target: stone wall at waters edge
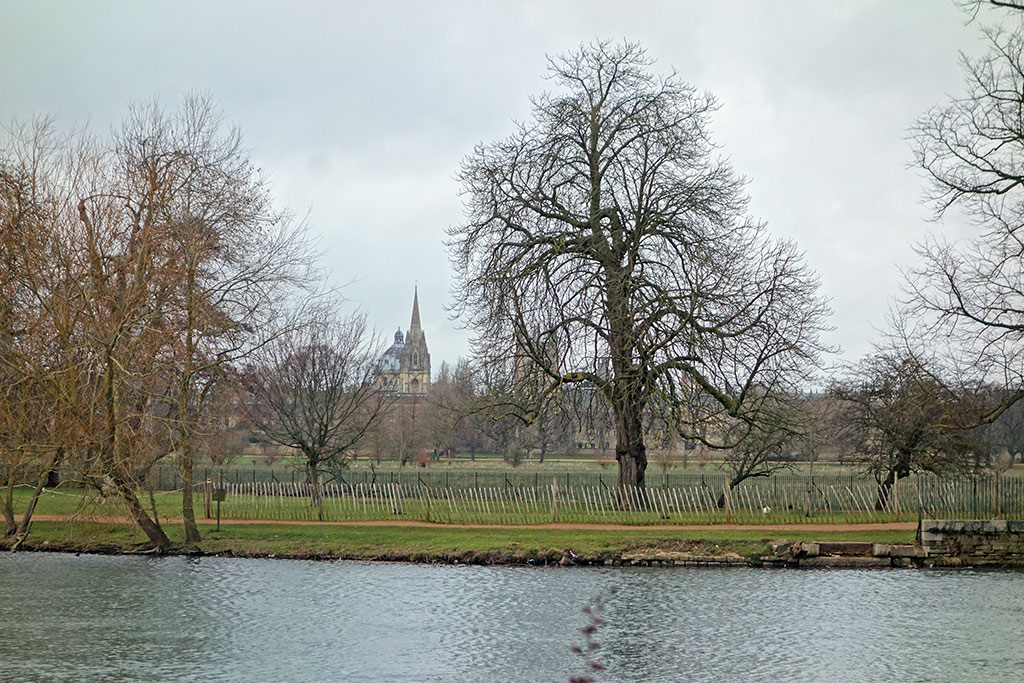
[997, 542]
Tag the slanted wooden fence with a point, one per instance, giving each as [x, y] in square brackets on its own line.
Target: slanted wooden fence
[757, 502]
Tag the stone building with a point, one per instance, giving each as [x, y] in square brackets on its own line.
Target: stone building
[404, 369]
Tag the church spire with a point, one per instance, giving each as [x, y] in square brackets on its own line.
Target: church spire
[415, 324]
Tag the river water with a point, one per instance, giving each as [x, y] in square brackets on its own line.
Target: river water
[99, 618]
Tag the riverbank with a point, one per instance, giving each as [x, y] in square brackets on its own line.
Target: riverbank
[449, 544]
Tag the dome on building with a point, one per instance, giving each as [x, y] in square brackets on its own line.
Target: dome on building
[392, 358]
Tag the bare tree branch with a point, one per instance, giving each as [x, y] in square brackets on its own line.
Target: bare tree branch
[608, 244]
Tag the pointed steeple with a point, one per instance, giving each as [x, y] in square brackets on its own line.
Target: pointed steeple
[414, 364]
[415, 324]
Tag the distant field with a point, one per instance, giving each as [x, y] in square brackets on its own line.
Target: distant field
[492, 470]
[588, 462]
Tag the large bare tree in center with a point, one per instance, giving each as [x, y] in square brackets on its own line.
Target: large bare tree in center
[608, 243]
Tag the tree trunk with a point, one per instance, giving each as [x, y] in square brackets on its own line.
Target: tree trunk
[884, 489]
[626, 395]
[10, 526]
[630, 450]
[185, 423]
[151, 527]
[720, 502]
[188, 513]
[26, 519]
[894, 474]
[43, 480]
[116, 469]
[733, 483]
[314, 482]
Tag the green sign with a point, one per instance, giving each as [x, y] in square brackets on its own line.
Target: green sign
[219, 495]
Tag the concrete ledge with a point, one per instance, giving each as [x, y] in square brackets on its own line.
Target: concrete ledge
[845, 548]
[895, 550]
[646, 558]
[846, 561]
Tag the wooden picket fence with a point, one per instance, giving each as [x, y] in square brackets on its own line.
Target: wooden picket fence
[751, 503]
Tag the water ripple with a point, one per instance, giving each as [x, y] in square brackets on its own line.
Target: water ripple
[87, 618]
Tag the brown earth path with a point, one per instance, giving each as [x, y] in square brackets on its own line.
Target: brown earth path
[872, 526]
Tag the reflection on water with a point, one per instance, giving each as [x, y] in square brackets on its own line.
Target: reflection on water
[64, 617]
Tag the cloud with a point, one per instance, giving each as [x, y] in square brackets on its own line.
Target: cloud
[361, 113]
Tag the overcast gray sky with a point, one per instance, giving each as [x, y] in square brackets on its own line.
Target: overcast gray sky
[361, 112]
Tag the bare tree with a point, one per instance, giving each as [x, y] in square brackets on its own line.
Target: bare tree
[81, 294]
[441, 410]
[135, 271]
[43, 362]
[973, 7]
[969, 296]
[761, 452]
[607, 243]
[124, 273]
[235, 257]
[667, 457]
[314, 390]
[903, 416]
[456, 409]
[22, 380]
[468, 427]
[1007, 431]
[404, 428]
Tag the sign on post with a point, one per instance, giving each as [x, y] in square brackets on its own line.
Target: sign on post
[219, 495]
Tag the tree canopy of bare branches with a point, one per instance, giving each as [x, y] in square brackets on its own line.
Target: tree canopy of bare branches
[970, 295]
[900, 415]
[973, 7]
[137, 270]
[314, 389]
[235, 255]
[607, 242]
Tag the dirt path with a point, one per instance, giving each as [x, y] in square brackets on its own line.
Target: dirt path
[875, 526]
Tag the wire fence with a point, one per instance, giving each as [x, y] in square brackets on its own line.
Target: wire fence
[758, 502]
